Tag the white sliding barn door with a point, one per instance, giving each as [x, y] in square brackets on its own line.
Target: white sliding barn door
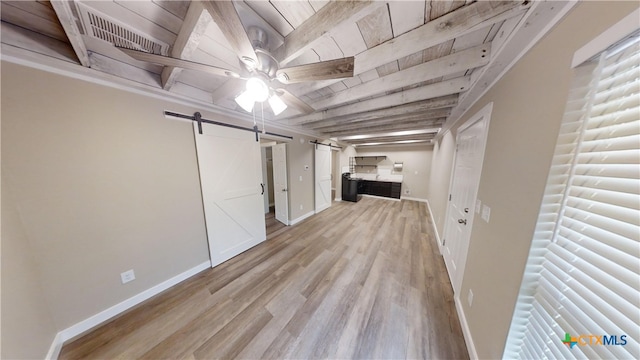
[230, 177]
[470, 144]
[323, 177]
[280, 190]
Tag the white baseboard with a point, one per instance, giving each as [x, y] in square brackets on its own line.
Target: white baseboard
[380, 197]
[435, 228]
[471, 348]
[338, 199]
[56, 347]
[295, 221]
[413, 199]
[103, 316]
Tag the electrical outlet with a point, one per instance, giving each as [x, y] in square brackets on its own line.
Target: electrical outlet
[300, 206]
[300, 178]
[478, 206]
[127, 276]
[470, 298]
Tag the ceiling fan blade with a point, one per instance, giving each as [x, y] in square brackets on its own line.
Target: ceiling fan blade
[224, 14]
[185, 64]
[324, 70]
[294, 101]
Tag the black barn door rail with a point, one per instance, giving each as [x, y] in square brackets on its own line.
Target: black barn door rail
[197, 117]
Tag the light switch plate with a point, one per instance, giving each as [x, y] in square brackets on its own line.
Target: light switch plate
[478, 206]
[486, 213]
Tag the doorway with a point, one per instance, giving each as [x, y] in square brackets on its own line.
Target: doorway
[465, 178]
[276, 194]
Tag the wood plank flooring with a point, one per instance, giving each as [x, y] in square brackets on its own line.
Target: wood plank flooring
[274, 226]
[359, 280]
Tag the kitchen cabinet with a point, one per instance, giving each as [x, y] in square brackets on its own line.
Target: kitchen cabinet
[380, 188]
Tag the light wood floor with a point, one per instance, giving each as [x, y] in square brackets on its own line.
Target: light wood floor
[274, 227]
[359, 280]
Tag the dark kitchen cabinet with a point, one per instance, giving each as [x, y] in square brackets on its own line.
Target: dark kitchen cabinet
[380, 188]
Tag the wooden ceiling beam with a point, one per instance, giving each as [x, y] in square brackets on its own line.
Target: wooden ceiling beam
[68, 21]
[226, 17]
[438, 114]
[193, 28]
[413, 125]
[423, 115]
[446, 65]
[431, 91]
[445, 28]
[392, 138]
[323, 22]
[460, 22]
[418, 106]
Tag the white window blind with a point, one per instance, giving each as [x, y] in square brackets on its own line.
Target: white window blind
[583, 272]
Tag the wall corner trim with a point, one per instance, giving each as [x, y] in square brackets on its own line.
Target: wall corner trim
[56, 346]
[471, 348]
[105, 315]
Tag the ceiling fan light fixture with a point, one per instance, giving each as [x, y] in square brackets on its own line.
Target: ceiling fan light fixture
[258, 89]
[277, 105]
[246, 101]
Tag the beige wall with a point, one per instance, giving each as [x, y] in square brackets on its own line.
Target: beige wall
[101, 183]
[416, 170]
[27, 327]
[528, 106]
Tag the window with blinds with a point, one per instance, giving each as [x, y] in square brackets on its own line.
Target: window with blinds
[580, 295]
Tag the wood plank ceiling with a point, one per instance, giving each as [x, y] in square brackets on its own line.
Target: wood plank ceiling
[414, 60]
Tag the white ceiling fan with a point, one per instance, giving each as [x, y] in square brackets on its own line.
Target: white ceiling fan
[263, 75]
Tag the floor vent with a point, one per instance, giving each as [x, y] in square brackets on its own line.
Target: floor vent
[104, 27]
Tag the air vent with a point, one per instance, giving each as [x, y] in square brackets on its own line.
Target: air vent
[106, 28]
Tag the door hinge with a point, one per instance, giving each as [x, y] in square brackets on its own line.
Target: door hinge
[444, 241]
[449, 197]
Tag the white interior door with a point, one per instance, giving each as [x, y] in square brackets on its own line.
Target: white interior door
[323, 177]
[470, 144]
[230, 177]
[280, 189]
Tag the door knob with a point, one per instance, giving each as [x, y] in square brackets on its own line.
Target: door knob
[283, 190]
[462, 221]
